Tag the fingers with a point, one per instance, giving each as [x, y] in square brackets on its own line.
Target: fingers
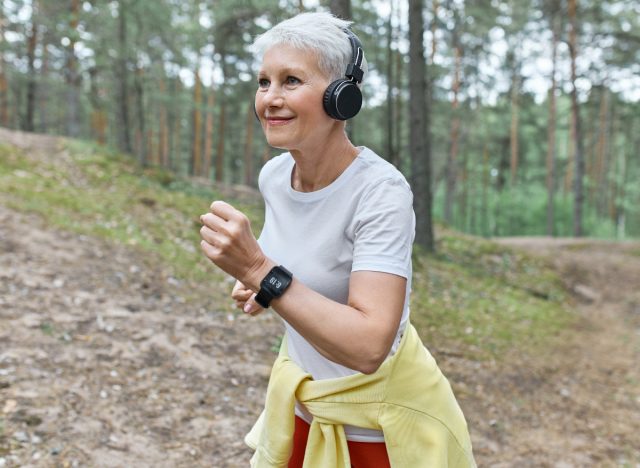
[251, 307]
[223, 210]
[241, 293]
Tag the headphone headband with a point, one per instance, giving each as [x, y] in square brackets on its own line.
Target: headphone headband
[354, 69]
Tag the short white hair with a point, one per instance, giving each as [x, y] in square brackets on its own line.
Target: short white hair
[319, 32]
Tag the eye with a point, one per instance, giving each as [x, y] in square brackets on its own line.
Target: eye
[263, 83]
[292, 80]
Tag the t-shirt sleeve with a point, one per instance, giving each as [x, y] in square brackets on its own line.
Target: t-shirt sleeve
[385, 229]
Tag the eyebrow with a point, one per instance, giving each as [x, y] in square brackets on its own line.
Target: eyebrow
[285, 71]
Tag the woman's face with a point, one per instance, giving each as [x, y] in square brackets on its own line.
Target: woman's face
[289, 99]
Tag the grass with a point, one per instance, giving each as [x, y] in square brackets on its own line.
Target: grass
[473, 296]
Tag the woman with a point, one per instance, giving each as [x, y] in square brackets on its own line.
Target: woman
[334, 261]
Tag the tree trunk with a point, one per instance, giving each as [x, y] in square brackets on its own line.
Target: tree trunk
[122, 79]
[142, 124]
[4, 85]
[163, 133]
[208, 133]
[196, 146]
[485, 190]
[434, 27]
[551, 129]
[98, 114]
[513, 132]
[390, 88]
[601, 165]
[452, 162]
[176, 125]
[399, 113]
[341, 8]
[73, 76]
[420, 128]
[248, 146]
[219, 175]
[32, 41]
[42, 91]
[578, 186]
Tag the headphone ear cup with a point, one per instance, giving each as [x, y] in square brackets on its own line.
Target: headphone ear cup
[328, 100]
[342, 99]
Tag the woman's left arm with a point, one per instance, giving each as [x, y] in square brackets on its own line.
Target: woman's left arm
[357, 335]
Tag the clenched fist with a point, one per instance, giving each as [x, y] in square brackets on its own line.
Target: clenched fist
[227, 240]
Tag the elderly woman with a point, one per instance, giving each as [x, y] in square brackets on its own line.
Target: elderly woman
[353, 385]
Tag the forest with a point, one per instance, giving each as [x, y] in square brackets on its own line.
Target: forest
[508, 117]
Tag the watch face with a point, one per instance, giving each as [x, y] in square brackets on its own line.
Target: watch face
[275, 282]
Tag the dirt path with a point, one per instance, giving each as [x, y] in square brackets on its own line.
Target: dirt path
[576, 404]
[102, 363]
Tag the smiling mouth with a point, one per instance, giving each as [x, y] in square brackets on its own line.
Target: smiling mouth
[276, 121]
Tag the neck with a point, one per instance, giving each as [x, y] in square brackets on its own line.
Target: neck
[321, 164]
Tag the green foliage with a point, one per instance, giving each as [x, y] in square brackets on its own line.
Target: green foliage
[87, 189]
[484, 298]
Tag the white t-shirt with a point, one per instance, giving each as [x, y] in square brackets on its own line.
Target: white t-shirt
[363, 220]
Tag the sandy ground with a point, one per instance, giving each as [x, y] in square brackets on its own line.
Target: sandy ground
[105, 363]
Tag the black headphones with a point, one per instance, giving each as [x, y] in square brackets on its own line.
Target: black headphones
[342, 100]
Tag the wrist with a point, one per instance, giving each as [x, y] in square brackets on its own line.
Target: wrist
[257, 273]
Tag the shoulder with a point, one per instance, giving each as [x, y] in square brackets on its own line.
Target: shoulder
[380, 178]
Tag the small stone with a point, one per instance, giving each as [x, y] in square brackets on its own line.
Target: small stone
[103, 394]
[113, 373]
[58, 283]
[56, 451]
[234, 382]
[36, 439]
[565, 392]
[21, 436]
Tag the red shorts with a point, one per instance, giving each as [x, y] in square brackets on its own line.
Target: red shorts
[362, 454]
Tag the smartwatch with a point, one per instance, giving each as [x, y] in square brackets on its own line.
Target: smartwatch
[273, 285]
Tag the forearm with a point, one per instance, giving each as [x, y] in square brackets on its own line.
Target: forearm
[343, 333]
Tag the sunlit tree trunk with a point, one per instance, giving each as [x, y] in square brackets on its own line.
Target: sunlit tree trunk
[420, 129]
[219, 172]
[98, 114]
[578, 186]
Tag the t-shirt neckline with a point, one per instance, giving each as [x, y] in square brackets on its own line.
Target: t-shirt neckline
[332, 187]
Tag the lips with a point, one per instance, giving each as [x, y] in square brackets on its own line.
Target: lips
[277, 120]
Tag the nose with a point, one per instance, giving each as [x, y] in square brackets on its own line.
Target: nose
[272, 97]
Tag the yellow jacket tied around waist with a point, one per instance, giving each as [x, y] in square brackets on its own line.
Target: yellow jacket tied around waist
[407, 398]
